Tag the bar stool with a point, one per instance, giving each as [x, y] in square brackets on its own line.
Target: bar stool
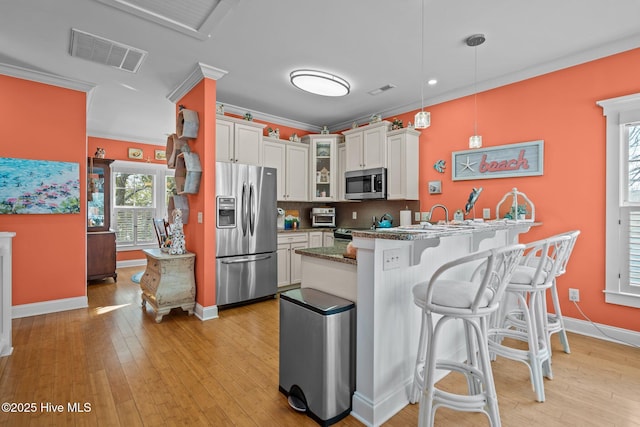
[554, 320]
[473, 301]
[527, 322]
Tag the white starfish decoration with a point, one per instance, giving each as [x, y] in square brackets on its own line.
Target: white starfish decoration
[468, 165]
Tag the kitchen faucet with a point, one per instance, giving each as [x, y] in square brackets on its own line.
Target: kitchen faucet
[446, 212]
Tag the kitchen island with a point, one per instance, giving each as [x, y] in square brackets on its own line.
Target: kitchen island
[327, 269]
[389, 263]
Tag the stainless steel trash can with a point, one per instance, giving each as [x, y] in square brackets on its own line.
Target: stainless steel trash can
[317, 353]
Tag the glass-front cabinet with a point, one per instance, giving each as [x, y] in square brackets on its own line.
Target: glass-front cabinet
[98, 194]
[323, 166]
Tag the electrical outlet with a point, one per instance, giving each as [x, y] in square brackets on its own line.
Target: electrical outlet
[199, 217]
[354, 215]
[486, 213]
[416, 216]
[574, 294]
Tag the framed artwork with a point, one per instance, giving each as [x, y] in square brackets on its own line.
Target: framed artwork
[504, 161]
[435, 187]
[160, 155]
[136, 153]
[39, 187]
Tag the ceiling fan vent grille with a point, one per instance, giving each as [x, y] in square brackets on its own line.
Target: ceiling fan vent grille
[107, 52]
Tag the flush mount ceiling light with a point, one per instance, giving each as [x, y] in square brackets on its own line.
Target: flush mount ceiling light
[319, 83]
[422, 118]
[475, 141]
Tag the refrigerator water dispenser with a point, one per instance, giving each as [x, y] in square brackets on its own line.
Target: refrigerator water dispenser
[225, 212]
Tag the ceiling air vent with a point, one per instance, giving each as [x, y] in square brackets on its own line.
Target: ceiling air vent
[381, 89]
[103, 51]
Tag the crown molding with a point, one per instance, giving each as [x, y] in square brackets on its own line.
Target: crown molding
[200, 72]
[46, 78]
[240, 111]
[127, 138]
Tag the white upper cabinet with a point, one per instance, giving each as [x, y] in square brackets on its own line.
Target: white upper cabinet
[365, 146]
[402, 164]
[238, 141]
[291, 159]
[323, 166]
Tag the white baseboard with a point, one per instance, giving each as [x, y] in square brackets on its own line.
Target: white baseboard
[46, 307]
[613, 334]
[131, 263]
[206, 313]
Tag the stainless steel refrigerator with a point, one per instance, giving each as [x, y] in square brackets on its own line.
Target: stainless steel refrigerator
[246, 239]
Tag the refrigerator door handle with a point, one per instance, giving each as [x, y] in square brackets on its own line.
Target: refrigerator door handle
[245, 260]
[244, 211]
[252, 208]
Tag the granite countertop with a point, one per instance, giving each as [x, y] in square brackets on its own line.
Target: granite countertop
[304, 230]
[331, 253]
[417, 232]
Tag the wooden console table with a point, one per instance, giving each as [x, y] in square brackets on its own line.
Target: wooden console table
[168, 282]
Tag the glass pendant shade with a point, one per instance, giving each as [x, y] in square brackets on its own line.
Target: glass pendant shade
[423, 120]
[475, 141]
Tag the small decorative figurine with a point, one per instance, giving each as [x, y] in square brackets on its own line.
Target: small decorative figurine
[409, 125]
[219, 108]
[354, 125]
[473, 197]
[294, 138]
[375, 118]
[396, 124]
[439, 166]
[248, 116]
[324, 131]
[274, 133]
[177, 234]
[100, 153]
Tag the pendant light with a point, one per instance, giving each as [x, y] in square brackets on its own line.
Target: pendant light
[423, 118]
[475, 141]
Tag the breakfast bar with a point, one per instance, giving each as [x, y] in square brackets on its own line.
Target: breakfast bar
[389, 263]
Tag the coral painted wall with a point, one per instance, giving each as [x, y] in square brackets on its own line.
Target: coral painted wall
[119, 150]
[46, 122]
[559, 108]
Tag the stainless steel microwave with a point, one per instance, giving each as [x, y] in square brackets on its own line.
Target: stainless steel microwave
[366, 184]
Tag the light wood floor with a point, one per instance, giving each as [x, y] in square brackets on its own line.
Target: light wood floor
[224, 372]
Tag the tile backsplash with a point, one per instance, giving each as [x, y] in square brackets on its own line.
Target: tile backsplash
[365, 211]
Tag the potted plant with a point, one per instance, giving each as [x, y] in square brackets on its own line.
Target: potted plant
[518, 212]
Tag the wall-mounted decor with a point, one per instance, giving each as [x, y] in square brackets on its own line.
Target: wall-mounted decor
[504, 161]
[440, 166]
[135, 153]
[160, 155]
[435, 187]
[39, 186]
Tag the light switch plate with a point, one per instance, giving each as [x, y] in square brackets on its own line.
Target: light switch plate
[199, 217]
[354, 215]
[416, 216]
[391, 259]
[486, 213]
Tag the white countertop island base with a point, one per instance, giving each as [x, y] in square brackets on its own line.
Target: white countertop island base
[388, 322]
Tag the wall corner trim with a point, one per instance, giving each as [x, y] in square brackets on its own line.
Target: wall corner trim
[206, 313]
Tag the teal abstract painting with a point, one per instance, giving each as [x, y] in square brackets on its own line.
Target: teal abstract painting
[39, 186]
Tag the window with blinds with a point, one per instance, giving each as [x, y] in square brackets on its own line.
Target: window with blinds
[140, 194]
[622, 275]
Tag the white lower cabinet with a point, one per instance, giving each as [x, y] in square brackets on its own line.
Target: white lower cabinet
[289, 262]
[327, 239]
[315, 239]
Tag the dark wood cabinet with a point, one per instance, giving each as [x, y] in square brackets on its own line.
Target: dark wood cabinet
[101, 240]
[101, 255]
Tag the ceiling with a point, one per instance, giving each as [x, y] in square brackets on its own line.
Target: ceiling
[371, 43]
